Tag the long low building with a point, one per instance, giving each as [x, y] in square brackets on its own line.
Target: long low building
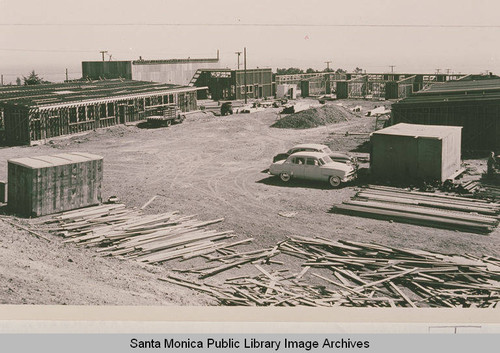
[472, 103]
[40, 112]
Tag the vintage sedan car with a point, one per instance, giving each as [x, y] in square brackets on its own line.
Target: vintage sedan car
[315, 147]
[313, 166]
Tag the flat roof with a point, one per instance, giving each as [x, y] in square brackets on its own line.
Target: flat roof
[238, 70]
[54, 160]
[157, 61]
[462, 86]
[79, 91]
[417, 130]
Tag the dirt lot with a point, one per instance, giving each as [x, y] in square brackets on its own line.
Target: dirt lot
[208, 166]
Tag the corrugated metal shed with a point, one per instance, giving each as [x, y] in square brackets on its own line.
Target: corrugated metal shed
[415, 152]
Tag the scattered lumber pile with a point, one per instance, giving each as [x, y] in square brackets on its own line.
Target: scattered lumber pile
[488, 191]
[274, 288]
[421, 208]
[234, 259]
[469, 187]
[374, 275]
[354, 274]
[129, 233]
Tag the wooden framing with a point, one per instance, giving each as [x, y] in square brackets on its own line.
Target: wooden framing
[27, 121]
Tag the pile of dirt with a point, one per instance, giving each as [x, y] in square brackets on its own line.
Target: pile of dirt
[315, 117]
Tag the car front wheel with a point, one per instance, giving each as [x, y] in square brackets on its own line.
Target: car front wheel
[334, 181]
[285, 177]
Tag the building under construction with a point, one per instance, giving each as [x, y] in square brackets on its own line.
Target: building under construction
[39, 112]
[472, 102]
[230, 84]
[364, 85]
[171, 71]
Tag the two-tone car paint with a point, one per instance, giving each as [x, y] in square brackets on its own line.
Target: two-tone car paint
[313, 166]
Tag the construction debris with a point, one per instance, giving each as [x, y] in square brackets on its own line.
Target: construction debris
[129, 233]
[358, 274]
[433, 210]
[488, 191]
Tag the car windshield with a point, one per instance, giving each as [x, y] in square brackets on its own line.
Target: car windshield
[327, 150]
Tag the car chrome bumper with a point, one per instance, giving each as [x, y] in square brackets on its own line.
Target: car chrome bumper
[349, 177]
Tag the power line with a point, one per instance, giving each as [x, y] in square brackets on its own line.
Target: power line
[370, 25]
[49, 50]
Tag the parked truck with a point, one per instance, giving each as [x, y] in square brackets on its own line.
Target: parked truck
[169, 116]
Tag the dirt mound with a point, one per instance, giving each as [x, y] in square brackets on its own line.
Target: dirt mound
[314, 117]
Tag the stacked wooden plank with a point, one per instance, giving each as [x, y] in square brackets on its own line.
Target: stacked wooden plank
[355, 274]
[427, 209]
[488, 191]
[470, 186]
[129, 233]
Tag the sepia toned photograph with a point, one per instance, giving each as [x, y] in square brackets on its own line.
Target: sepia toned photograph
[250, 154]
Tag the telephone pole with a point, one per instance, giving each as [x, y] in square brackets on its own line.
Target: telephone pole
[66, 74]
[1, 82]
[245, 72]
[392, 68]
[437, 71]
[103, 52]
[328, 65]
[238, 53]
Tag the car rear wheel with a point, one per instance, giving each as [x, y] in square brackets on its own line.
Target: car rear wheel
[285, 177]
[334, 181]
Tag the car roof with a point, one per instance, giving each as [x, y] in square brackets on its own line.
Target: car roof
[310, 145]
[309, 154]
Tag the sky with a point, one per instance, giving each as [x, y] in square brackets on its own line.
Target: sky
[415, 36]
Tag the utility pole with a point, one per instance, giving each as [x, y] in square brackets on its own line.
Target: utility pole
[1, 81]
[392, 68]
[238, 53]
[66, 74]
[103, 52]
[245, 71]
[437, 71]
[328, 65]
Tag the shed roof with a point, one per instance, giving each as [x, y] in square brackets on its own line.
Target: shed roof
[417, 130]
[60, 93]
[54, 160]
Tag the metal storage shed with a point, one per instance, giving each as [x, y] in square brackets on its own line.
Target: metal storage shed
[416, 152]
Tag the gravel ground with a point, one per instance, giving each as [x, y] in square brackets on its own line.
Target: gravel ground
[212, 167]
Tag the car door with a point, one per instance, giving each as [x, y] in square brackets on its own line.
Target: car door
[297, 167]
[312, 170]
